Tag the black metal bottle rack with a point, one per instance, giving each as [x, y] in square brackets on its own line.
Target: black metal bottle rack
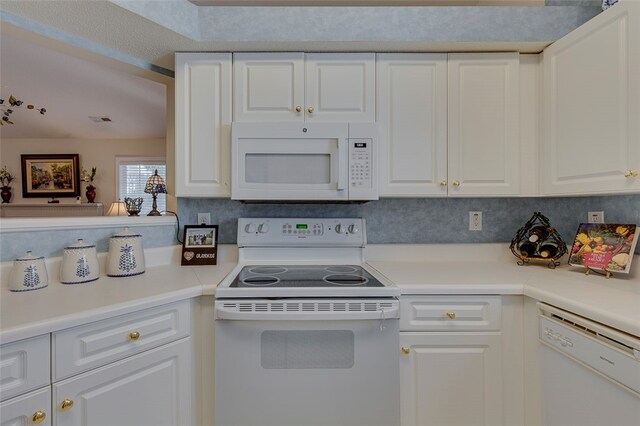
[552, 238]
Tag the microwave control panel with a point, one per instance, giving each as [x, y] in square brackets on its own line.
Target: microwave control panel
[360, 159]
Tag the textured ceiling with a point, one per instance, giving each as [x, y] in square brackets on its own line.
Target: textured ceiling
[72, 89]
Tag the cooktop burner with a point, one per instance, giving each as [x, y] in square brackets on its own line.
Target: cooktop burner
[305, 276]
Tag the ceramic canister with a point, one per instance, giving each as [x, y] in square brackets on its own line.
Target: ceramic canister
[79, 264]
[29, 273]
[126, 255]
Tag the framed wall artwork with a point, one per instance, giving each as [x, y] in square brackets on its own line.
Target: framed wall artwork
[50, 175]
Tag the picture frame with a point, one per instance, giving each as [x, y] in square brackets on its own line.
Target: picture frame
[50, 175]
[200, 245]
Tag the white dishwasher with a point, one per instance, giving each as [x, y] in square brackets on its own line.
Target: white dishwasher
[590, 372]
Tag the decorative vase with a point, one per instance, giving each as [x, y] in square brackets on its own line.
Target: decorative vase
[6, 194]
[91, 195]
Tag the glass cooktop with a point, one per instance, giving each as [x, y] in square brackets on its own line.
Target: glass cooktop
[304, 276]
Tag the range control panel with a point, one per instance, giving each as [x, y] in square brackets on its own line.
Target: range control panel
[301, 232]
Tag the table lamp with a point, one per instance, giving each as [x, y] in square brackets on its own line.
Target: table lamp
[155, 185]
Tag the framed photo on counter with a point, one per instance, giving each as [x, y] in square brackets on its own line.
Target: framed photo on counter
[200, 245]
[50, 175]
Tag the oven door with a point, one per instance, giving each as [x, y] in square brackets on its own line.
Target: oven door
[311, 371]
[289, 161]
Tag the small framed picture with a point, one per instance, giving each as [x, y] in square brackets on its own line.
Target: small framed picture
[200, 245]
[50, 175]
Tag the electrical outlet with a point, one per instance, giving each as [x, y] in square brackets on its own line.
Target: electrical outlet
[475, 221]
[204, 218]
[596, 217]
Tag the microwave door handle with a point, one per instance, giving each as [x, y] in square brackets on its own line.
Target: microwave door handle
[343, 163]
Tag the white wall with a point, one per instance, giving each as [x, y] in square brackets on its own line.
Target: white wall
[99, 153]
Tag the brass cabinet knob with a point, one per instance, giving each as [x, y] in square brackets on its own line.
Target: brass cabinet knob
[443, 183]
[310, 110]
[38, 417]
[298, 108]
[66, 404]
[456, 183]
[451, 315]
[134, 335]
[631, 173]
[405, 350]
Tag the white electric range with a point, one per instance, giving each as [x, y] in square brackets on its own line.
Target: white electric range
[306, 332]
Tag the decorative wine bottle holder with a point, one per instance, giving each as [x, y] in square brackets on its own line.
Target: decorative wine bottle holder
[537, 240]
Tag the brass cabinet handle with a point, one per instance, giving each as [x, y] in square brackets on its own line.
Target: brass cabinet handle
[456, 183]
[66, 404]
[38, 417]
[310, 110]
[134, 335]
[631, 173]
[443, 183]
[451, 315]
[405, 350]
[298, 108]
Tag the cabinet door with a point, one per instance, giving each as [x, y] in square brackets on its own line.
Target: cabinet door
[592, 106]
[203, 124]
[29, 409]
[149, 389]
[451, 379]
[412, 120]
[340, 87]
[268, 86]
[484, 143]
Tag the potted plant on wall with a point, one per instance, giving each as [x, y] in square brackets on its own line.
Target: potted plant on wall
[91, 189]
[5, 179]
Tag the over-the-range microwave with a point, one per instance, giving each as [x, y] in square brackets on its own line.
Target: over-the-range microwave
[304, 161]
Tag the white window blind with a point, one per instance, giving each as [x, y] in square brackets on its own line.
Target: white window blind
[133, 173]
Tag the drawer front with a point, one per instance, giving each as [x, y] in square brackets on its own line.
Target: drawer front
[450, 313]
[32, 408]
[24, 366]
[88, 346]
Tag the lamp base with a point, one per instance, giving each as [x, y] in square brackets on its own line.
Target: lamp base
[154, 212]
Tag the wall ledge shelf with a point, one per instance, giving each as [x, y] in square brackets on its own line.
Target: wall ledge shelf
[22, 224]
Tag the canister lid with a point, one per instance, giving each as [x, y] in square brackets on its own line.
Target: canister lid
[126, 233]
[80, 245]
[29, 256]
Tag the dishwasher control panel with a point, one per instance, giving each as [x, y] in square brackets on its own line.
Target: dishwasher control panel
[301, 232]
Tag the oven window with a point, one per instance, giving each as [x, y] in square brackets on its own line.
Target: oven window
[284, 168]
[304, 349]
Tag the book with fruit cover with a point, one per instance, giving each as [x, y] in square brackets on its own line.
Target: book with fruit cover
[607, 247]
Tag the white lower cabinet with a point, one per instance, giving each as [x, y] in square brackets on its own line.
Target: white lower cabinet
[33, 408]
[461, 360]
[451, 379]
[152, 388]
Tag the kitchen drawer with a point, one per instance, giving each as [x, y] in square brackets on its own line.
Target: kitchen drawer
[88, 346]
[450, 313]
[29, 409]
[24, 366]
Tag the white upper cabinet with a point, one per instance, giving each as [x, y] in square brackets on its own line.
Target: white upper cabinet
[484, 141]
[591, 131]
[268, 86]
[449, 126]
[203, 124]
[315, 87]
[412, 120]
[340, 87]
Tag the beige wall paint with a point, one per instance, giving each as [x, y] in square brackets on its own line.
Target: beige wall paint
[99, 153]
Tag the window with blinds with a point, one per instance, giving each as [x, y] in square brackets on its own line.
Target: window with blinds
[133, 173]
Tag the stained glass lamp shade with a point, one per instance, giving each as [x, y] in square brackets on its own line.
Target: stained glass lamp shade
[155, 185]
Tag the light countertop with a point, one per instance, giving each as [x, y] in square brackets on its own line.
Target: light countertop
[416, 269]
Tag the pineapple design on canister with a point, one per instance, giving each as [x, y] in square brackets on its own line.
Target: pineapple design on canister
[82, 270]
[127, 259]
[31, 277]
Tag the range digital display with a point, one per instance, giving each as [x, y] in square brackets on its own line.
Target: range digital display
[301, 226]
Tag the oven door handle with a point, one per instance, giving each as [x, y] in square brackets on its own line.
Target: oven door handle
[223, 313]
[343, 163]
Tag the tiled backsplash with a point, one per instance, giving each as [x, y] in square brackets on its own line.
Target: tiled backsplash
[431, 220]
